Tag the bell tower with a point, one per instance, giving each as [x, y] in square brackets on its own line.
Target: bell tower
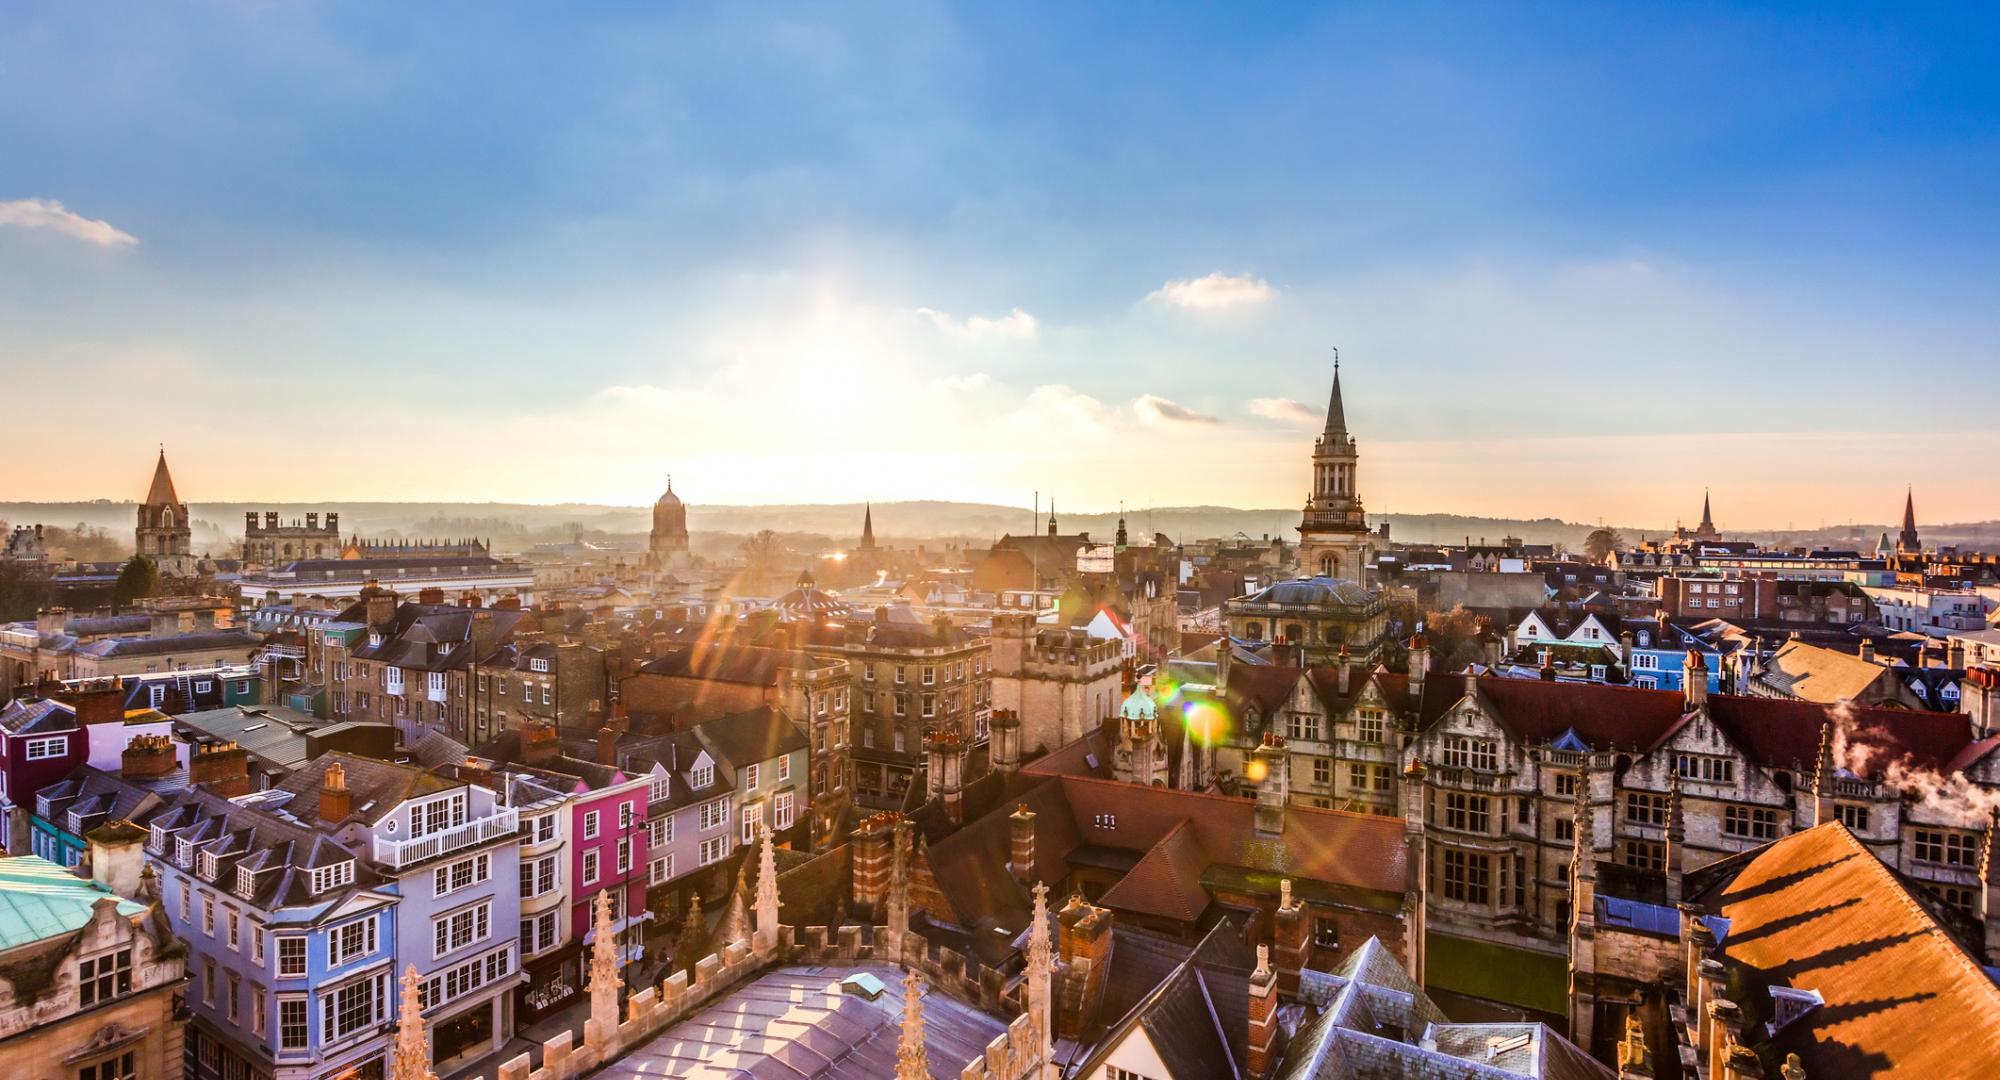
[164, 534]
[1334, 540]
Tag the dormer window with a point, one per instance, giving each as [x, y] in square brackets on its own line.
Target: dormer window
[246, 882]
[702, 776]
[183, 853]
[326, 878]
[208, 865]
[158, 843]
[538, 664]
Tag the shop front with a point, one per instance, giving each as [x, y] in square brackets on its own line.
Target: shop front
[552, 984]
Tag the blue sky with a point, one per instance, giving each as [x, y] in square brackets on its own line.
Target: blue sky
[819, 253]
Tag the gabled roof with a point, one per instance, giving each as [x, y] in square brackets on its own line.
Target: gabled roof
[1813, 673]
[1819, 911]
[34, 717]
[750, 665]
[1167, 881]
[747, 738]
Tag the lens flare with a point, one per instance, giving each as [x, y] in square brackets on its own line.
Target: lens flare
[1207, 722]
[1254, 771]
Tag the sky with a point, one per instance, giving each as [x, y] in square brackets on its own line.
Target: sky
[1578, 261]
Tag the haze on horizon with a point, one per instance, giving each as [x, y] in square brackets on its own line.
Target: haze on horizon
[1579, 263]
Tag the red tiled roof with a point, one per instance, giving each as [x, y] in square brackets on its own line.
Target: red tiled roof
[1167, 882]
[1358, 850]
[1818, 911]
[1780, 734]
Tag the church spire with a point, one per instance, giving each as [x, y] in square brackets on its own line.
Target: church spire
[1707, 521]
[1336, 415]
[868, 527]
[1907, 540]
[162, 492]
[1121, 524]
[1052, 515]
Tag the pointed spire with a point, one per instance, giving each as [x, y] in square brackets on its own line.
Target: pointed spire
[604, 966]
[1121, 523]
[162, 492]
[1707, 521]
[736, 920]
[1584, 860]
[1041, 971]
[910, 1064]
[766, 934]
[1823, 766]
[412, 1057]
[1052, 515]
[868, 527]
[1336, 415]
[1908, 541]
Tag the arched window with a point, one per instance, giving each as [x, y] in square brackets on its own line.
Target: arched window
[1329, 565]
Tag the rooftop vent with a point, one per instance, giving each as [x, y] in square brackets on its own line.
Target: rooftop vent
[863, 984]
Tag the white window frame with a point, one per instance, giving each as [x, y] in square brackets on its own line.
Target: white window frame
[340, 952]
[477, 922]
[591, 860]
[592, 823]
[44, 749]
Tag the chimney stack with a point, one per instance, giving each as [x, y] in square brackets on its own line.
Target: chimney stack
[1004, 741]
[607, 746]
[1420, 666]
[1083, 950]
[223, 768]
[1694, 680]
[1269, 768]
[945, 771]
[1021, 846]
[117, 856]
[1868, 650]
[99, 701]
[539, 743]
[1263, 1015]
[147, 757]
[335, 801]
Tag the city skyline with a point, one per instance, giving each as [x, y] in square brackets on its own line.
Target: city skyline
[984, 253]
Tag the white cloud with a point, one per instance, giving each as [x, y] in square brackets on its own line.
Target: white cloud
[1016, 325]
[1283, 410]
[50, 214]
[1214, 292]
[1154, 409]
[1067, 407]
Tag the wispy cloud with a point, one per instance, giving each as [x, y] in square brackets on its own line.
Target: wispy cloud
[1284, 410]
[1016, 325]
[1154, 409]
[50, 214]
[1214, 292]
[1066, 405]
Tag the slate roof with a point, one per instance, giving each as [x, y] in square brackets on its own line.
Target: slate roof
[378, 786]
[270, 733]
[747, 738]
[1312, 592]
[100, 796]
[40, 900]
[751, 665]
[231, 637]
[265, 839]
[1814, 673]
[1819, 911]
[31, 717]
[435, 637]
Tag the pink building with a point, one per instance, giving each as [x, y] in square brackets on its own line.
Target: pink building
[608, 853]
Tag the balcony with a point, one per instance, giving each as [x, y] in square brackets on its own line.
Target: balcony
[401, 853]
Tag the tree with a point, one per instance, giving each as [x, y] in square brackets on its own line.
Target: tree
[1601, 543]
[138, 580]
[762, 551]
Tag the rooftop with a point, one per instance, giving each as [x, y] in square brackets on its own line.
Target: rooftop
[39, 900]
[797, 1022]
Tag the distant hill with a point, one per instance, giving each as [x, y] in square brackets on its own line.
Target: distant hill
[514, 526]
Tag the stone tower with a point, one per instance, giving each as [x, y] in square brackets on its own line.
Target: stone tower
[669, 547]
[1334, 540]
[164, 535]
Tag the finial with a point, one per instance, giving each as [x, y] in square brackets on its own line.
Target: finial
[1336, 359]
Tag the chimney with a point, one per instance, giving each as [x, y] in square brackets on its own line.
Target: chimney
[944, 768]
[1291, 938]
[1989, 886]
[430, 595]
[1021, 845]
[223, 768]
[607, 746]
[51, 620]
[1420, 665]
[381, 606]
[1979, 699]
[1263, 1015]
[335, 801]
[484, 633]
[117, 856]
[1342, 671]
[539, 742]
[1004, 741]
[99, 701]
[147, 757]
[473, 771]
[1269, 768]
[1868, 650]
[1954, 654]
[1084, 945]
[1694, 680]
[874, 854]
